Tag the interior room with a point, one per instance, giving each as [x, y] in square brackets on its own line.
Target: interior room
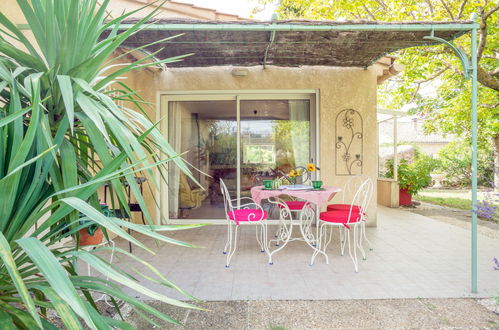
[275, 136]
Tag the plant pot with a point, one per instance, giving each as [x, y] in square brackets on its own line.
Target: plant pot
[86, 239]
[405, 199]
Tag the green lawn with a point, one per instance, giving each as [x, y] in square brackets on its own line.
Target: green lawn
[459, 203]
[457, 198]
[452, 193]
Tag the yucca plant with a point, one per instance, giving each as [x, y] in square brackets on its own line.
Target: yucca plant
[62, 136]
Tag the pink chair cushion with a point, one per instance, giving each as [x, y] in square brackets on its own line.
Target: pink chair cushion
[343, 207]
[340, 217]
[294, 205]
[247, 215]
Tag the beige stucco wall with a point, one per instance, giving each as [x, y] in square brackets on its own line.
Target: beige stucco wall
[339, 88]
[11, 10]
[388, 192]
[430, 148]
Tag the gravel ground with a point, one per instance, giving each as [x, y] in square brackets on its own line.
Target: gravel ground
[332, 314]
[344, 314]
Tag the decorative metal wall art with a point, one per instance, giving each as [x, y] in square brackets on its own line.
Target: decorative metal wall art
[349, 143]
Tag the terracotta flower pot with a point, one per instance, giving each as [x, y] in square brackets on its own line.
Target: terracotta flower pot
[86, 239]
[405, 199]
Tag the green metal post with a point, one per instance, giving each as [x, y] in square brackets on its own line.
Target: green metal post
[474, 153]
[464, 27]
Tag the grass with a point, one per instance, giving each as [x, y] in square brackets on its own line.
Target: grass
[458, 198]
[458, 203]
[277, 327]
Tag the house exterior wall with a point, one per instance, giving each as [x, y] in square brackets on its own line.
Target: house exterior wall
[339, 89]
[430, 148]
[11, 10]
[169, 9]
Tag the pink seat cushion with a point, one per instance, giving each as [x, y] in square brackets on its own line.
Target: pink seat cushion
[343, 207]
[340, 217]
[247, 215]
[294, 205]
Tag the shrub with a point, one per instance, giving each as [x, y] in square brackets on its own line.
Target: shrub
[455, 164]
[488, 208]
[413, 176]
[56, 119]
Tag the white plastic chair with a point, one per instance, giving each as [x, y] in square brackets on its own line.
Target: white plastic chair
[350, 219]
[249, 212]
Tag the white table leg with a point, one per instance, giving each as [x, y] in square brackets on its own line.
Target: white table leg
[285, 227]
[308, 215]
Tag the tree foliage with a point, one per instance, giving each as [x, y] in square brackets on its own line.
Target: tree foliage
[432, 81]
[292, 141]
[455, 162]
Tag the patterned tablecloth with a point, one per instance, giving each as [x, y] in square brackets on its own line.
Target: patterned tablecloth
[317, 197]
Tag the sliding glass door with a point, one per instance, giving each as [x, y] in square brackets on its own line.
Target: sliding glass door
[241, 139]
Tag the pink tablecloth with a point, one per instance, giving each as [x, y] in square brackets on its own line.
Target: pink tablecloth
[317, 197]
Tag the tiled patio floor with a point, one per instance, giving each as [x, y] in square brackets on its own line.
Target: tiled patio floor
[414, 256]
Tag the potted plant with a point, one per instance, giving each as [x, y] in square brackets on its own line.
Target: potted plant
[411, 177]
[93, 234]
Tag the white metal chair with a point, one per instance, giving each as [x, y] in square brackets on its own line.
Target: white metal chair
[349, 189]
[249, 212]
[349, 219]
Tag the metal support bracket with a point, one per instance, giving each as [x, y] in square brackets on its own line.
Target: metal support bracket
[271, 41]
[465, 62]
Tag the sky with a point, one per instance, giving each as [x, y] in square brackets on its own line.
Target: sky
[242, 8]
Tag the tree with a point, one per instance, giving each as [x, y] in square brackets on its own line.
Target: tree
[57, 119]
[432, 80]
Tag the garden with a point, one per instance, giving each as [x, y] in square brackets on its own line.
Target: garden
[452, 168]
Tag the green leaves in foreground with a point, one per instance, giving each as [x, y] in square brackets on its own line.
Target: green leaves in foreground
[62, 136]
[56, 276]
[10, 264]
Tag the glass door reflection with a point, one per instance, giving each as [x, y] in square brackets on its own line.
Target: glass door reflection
[206, 132]
[275, 138]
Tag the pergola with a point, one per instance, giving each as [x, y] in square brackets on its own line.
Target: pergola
[292, 43]
[393, 116]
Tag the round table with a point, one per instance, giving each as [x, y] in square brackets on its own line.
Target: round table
[314, 199]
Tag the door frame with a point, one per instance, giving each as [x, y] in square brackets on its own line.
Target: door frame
[164, 97]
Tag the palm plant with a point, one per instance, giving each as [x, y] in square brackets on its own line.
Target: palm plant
[62, 136]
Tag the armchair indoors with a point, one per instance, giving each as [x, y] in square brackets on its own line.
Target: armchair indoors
[189, 198]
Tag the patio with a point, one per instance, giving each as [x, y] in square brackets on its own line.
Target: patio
[414, 257]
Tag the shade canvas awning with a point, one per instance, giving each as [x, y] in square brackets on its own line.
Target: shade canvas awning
[287, 42]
